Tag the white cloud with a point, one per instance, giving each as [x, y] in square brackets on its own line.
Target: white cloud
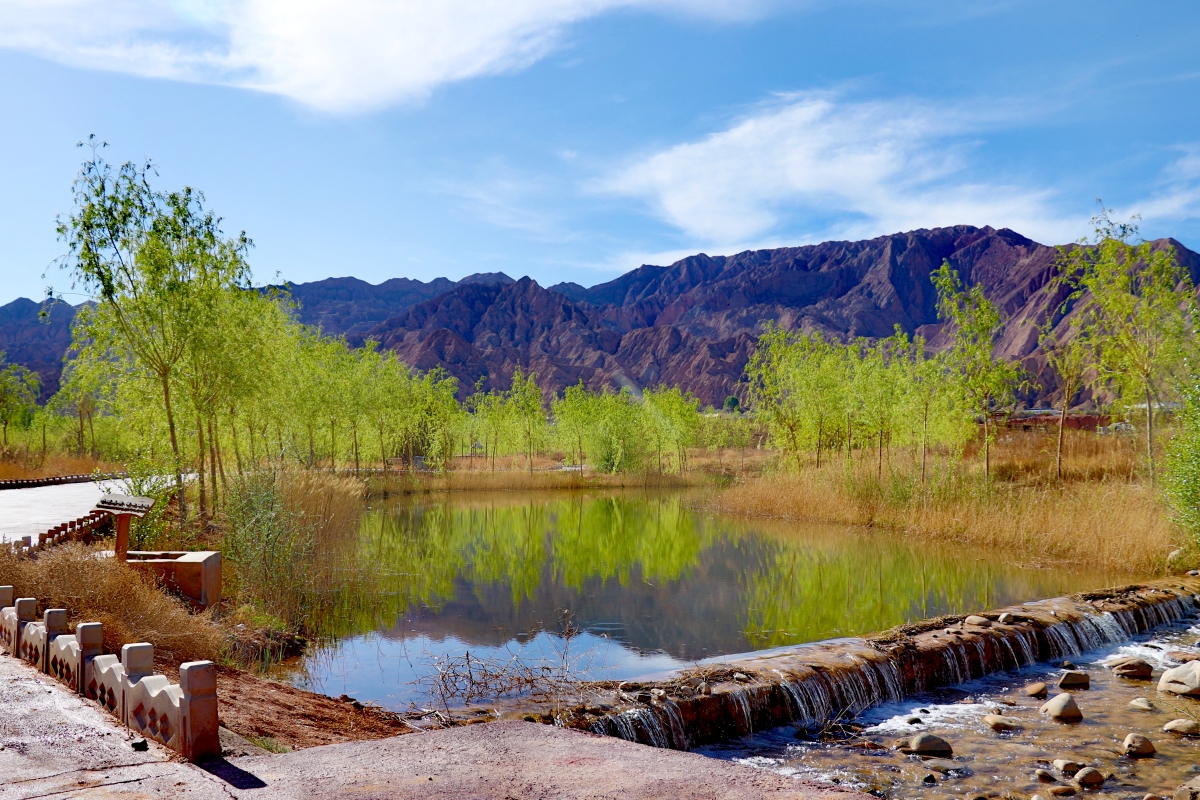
[340, 56]
[813, 164]
[1178, 194]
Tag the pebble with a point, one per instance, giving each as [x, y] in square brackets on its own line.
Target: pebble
[1184, 727]
[1068, 665]
[1063, 708]
[978, 621]
[1074, 679]
[1141, 703]
[1182, 657]
[1005, 618]
[929, 778]
[1035, 690]
[1045, 776]
[1067, 767]
[1089, 777]
[140, 744]
[1138, 746]
[998, 723]
[1194, 572]
[704, 688]
[741, 676]
[914, 721]
[1062, 791]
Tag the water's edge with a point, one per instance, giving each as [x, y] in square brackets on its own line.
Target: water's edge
[813, 684]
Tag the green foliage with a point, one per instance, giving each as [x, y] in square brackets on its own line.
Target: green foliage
[18, 391]
[1183, 465]
[1137, 312]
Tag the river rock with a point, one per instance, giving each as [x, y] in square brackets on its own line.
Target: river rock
[998, 723]
[1182, 657]
[1131, 667]
[978, 621]
[1089, 777]
[1067, 767]
[1062, 791]
[1189, 791]
[1035, 690]
[1045, 776]
[1141, 704]
[1183, 680]
[1183, 727]
[1074, 679]
[1062, 708]
[1005, 618]
[927, 744]
[1137, 746]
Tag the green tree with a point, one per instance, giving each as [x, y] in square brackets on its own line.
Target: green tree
[150, 259]
[988, 383]
[18, 391]
[1138, 315]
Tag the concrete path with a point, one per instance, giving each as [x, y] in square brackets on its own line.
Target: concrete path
[53, 744]
[30, 512]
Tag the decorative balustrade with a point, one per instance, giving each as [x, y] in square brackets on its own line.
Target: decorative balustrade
[180, 716]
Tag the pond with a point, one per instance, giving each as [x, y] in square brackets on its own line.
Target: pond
[650, 583]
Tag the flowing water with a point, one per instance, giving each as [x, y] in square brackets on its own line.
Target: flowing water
[651, 584]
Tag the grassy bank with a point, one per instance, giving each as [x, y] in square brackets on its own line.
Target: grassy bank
[508, 480]
[1101, 515]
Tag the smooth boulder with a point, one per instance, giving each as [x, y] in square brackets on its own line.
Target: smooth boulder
[1188, 791]
[978, 621]
[1137, 746]
[1035, 690]
[1184, 680]
[927, 744]
[1067, 767]
[1062, 708]
[1141, 704]
[1074, 679]
[1183, 727]
[1182, 657]
[1089, 777]
[999, 723]
[1131, 667]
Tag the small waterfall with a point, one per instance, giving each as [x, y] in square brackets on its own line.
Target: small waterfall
[812, 684]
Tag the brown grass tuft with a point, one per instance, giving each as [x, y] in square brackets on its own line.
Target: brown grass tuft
[130, 606]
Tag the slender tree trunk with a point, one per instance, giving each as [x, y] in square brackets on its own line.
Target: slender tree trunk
[849, 440]
[312, 452]
[879, 472]
[332, 447]
[43, 442]
[6, 435]
[237, 451]
[354, 433]
[179, 493]
[200, 471]
[987, 455]
[382, 451]
[924, 440]
[1062, 423]
[820, 436]
[1150, 432]
[91, 433]
[215, 467]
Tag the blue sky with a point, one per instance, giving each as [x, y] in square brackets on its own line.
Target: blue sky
[577, 139]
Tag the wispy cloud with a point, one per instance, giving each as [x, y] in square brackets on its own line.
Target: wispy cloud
[339, 56]
[815, 166]
[1177, 195]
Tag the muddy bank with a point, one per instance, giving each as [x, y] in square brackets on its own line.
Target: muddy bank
[810, 685]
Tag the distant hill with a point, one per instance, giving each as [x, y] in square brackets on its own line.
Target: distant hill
[691, 324]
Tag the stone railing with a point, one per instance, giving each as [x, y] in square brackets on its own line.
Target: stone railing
[58, 480]
[180, 716]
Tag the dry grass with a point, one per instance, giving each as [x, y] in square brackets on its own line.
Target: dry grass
[130, 606]
[24, 468]
[1098, 517]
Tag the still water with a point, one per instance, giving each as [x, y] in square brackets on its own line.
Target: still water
[651, 583]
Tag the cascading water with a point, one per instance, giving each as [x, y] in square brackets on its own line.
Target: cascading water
[812, 684]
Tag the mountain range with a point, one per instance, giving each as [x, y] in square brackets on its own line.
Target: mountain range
[691, 324]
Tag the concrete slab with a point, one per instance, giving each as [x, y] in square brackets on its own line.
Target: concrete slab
[29, 512]
[56, 744]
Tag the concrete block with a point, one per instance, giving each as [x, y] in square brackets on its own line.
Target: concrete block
[137, 660]
[69, 657]
[34, 646]
[13, 620]
[195, 575]
[106, 685]
[198, 680]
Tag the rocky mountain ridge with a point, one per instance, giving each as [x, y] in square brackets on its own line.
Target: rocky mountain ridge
[692, 323]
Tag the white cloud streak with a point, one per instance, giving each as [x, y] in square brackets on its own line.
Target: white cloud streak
[350, 55]
[825, 168]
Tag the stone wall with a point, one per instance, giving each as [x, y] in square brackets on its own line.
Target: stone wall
[180, 716]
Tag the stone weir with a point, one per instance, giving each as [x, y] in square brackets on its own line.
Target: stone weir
[814, 685]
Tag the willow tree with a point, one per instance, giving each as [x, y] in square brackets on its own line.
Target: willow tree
[1138, 313]
[150, 260]
[988, 383]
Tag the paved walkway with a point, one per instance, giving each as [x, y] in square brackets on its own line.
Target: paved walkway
[55, 745]
[29, 512]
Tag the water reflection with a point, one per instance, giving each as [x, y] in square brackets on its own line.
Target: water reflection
[653, 585]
